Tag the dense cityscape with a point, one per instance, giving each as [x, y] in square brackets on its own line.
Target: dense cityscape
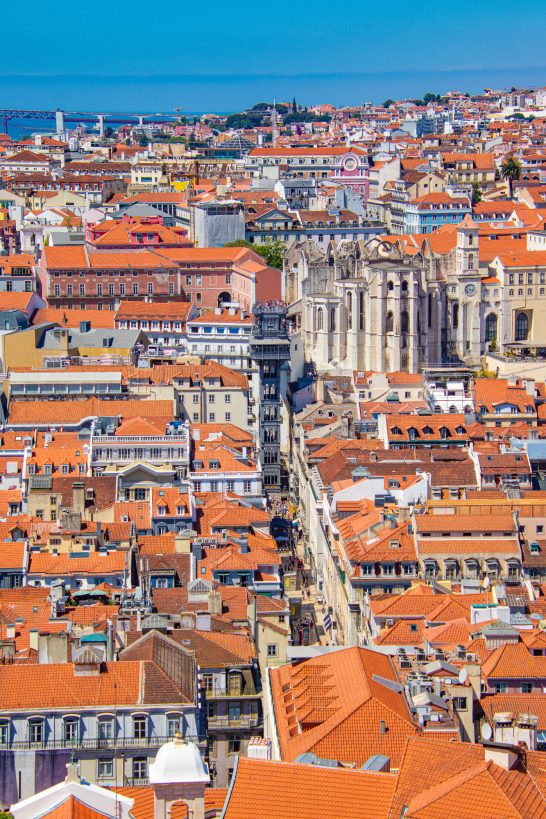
[273, 460]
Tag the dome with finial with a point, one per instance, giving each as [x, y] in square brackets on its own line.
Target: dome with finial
[178, 762]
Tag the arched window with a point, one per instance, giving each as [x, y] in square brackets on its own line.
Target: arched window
[471, 261]
[320, 319]
[404, 322]
[332, 320]
[361, 310]
[390, 287]
[390, 322]
[455, 316]
[350, 310]
[522, 327]
[404, 287]
[491, 327]
[470, 239]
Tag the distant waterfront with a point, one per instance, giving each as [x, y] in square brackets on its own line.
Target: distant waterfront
[221, 93]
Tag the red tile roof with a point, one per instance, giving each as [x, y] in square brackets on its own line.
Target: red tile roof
[281, 790]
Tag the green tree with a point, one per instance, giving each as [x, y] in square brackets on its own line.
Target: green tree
[143, 141]
[272, 253]
[306, 116]
[476, 193]
[109, 133]
[294, 106]
[388, 103]
[511, 172]
[242, 121]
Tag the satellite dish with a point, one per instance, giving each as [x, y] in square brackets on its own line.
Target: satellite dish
[486, 731]
[463, 676]
[486, 582]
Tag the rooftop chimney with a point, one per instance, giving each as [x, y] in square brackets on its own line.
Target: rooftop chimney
[505, 756]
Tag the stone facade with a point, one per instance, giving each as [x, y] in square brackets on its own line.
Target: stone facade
[374, 306]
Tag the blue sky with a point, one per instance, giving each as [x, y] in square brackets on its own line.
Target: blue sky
[222, 55]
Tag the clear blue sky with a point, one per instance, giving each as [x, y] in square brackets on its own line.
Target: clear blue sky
[225, 55]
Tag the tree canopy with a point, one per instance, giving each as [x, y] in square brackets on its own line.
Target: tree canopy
[511, 172]
[272, 253]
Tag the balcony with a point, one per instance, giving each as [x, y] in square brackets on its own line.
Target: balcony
[245, 723]
[93, 743]
[218, 693]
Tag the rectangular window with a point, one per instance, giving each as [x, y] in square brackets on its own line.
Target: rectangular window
[4, 733]
[140, 768]
[500, 688]
[235, 745]
[135, 289]
[173, 726]
[105, 730]
[105, 769]
[234, 711]
[70, 730]
[150, 288]
[272, 650]
[139, 727]
[36, 731]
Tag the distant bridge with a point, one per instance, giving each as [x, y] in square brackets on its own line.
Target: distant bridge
[62, 117]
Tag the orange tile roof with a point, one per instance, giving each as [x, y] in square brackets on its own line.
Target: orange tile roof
[332, 705]
[468, 546]
[280, 790]
[513, 661]
[71, 318]
[485, 789]
[72, 808]
[27, 413]
[402, 633]
[175, 310]
[57, 686]
[64, 564]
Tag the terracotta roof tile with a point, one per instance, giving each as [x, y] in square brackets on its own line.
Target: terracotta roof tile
[280, 790]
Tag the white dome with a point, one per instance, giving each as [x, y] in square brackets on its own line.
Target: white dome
[178, 762]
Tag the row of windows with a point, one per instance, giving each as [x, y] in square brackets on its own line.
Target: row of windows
[122, 290]
[214, 486]
[166, 326]
[65, 469]
[72, 729]
[530, 280]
